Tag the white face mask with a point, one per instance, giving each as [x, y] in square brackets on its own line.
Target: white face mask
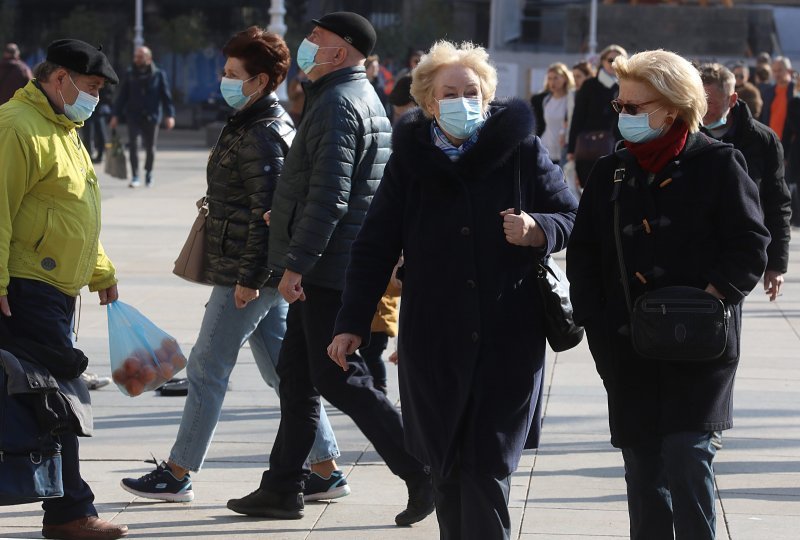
[84, 105]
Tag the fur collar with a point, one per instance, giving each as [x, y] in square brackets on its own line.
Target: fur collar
[510, 123]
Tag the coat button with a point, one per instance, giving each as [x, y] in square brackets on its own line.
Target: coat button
[475, 337]
[471, 283]
[465, 231]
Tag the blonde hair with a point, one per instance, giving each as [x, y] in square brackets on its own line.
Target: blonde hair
[445, 53]
[673, 77]
[560, 68]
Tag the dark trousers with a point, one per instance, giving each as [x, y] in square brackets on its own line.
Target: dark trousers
[794, 190]
[671, 485]
[42, 312]
[372, 355]
[306, 371]
[149, 133]
[93, 134]
[471, 505]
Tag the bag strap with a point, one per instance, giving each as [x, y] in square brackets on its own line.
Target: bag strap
[517, 183]
[619, 177]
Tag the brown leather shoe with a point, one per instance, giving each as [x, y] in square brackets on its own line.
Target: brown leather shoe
[85, 528]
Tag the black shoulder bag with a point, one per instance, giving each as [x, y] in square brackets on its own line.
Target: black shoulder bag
[559, 326]
[675, 323]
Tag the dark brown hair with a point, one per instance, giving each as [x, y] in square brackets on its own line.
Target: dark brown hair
[585, 67]
[260, 52]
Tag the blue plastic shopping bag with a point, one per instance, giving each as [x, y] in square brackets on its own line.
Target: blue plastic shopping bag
[143, 357]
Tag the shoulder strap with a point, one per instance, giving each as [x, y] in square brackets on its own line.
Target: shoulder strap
[619, 177]
[517, 183]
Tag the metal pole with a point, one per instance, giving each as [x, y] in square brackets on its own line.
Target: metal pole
[592, 28]
[138, 27]
[277, 26]
[493, 21]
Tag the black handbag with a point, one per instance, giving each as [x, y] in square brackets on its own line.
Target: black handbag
[676, 323]
[559, 325]
[679, 323]
[30, 458]
[116, 163]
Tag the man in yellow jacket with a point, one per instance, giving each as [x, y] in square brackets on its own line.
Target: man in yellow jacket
[49, 236]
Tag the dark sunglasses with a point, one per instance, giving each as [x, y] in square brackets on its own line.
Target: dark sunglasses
[629, 108]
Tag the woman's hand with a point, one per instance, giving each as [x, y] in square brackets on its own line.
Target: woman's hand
[710, 289]
[394, 281]
[521, 230]
[244, 295]
[342, 346]
[394, 358]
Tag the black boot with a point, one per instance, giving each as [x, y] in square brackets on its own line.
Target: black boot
[265, 503]
[420, 501]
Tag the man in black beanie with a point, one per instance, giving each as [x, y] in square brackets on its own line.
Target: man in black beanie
[330, 175]
[49, 248]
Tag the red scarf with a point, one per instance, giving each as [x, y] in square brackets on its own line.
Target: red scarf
[654, 155]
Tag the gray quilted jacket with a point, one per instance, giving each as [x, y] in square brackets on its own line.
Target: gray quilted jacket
[329, 177]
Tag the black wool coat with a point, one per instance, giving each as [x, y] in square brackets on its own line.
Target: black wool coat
[763, 152]
[705, 227]
[243, 173]
[471, 342]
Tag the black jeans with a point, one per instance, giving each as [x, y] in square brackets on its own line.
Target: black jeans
[149, 133]
[94, 135]
[306, 372]
[471, 505]
[42, 312]
[671, 485]
[372, 355]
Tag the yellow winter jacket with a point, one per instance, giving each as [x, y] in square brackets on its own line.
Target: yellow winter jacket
[49, 199]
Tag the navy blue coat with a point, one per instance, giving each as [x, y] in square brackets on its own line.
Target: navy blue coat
[706, 227]
[144, 97]
[471, 342]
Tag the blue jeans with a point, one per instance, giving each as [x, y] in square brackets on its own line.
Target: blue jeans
[223, 332]
[671, 485]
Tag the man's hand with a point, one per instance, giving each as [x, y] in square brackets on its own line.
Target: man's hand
[108, 296]
[521, 230]
[772, 284]
[169, 122]
[113, 123]
[342, 346]
[267, 215]
[244, 295]
[4, 309]
[394, 358]
[291, 287]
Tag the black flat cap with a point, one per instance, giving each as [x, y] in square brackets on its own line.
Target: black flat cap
[351, 27]
[81, 58]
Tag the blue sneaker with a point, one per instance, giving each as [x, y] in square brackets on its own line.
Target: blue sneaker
[160, 484]
[319, 488]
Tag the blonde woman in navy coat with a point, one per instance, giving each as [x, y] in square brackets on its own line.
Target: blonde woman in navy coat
[471, 342]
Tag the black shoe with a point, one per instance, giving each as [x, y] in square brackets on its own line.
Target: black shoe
[174, 387]
[264, 503]
[420, 501]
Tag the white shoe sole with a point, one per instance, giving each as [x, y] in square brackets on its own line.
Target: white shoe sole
[341, 491]
[186, 496]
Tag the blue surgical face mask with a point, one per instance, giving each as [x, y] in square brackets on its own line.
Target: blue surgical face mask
[460, 117]
[719, 123]
[84, 105]
[306, 53]
[232, 93]
[636, 127]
